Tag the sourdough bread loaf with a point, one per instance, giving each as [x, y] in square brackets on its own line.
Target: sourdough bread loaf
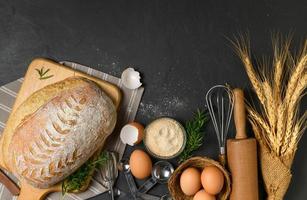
[57, 129]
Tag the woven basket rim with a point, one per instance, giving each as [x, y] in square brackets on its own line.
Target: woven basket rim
[197, 162]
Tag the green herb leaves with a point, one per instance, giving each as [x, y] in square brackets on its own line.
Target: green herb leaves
[195, 134]
[43, 73]
[78, 179]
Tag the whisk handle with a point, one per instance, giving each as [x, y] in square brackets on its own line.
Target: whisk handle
[239, 113]
[222, 159]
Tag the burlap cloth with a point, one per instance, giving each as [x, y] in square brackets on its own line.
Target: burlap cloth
[276, 172]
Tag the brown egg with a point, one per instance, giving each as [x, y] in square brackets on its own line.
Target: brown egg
[203, 195]
[140, 164]
[212, 180]
[190, 181]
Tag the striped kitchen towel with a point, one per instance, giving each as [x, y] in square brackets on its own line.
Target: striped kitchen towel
[129, 105]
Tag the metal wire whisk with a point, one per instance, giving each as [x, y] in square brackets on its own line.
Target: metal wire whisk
[220, 101]
[109, 172]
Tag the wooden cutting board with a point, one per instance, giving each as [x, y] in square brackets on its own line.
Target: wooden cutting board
[33, 82]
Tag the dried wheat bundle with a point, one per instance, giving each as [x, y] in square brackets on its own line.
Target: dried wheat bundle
[277, 126]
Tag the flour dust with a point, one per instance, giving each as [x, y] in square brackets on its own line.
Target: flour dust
[167, 107]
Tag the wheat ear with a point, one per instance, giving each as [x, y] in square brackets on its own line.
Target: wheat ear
[297, 73]
[270, 108]
[242, 48]
[290, 146]
[258, 133]
[281, 50]
[266, 133]
[293, 108]
[281, 123]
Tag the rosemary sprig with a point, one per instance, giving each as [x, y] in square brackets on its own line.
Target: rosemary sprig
[43, 74]
[195, 134]
[78, 179]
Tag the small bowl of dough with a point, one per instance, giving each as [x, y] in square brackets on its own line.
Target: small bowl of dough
[165, 138]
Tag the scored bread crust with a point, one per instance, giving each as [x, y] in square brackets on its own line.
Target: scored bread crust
[51, 141]
[29, 106]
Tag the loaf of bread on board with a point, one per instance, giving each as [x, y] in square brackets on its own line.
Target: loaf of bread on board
[56, 130]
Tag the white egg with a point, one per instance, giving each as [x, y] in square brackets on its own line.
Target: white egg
[131, 78]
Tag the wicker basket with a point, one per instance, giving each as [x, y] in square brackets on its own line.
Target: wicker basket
[200, 163]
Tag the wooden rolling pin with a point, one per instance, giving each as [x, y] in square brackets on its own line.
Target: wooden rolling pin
[242, 156]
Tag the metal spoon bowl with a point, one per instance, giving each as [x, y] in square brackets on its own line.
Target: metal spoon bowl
[161, 172]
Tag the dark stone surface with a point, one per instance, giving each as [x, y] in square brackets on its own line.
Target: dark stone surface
[179, 46]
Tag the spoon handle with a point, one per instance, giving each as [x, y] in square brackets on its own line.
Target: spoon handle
[147, 185]
[123, 195]
[145, 196]
[131, 184]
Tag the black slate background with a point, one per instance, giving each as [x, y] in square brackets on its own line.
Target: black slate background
[180, 47]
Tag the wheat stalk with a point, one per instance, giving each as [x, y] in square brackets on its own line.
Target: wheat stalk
[254, 79]
[267, 135]
[272, 114]
[258, 131]
[298, 130]
[293, 109]
[242, 47]
[297, 73]
[270, 107]
[277, 79]
[281, 121]
[281, 51]
[278, 127]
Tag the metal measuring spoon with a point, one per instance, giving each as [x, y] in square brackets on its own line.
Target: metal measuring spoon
[166, 197]
[122, 194]
[125, 167]
[161, 172]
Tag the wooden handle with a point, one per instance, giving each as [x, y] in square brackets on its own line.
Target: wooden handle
[239, 113]
[9, 184]
[28, 192]
[222, 159]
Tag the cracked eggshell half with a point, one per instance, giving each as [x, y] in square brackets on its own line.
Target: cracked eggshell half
[131, 78]
[132, 133]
